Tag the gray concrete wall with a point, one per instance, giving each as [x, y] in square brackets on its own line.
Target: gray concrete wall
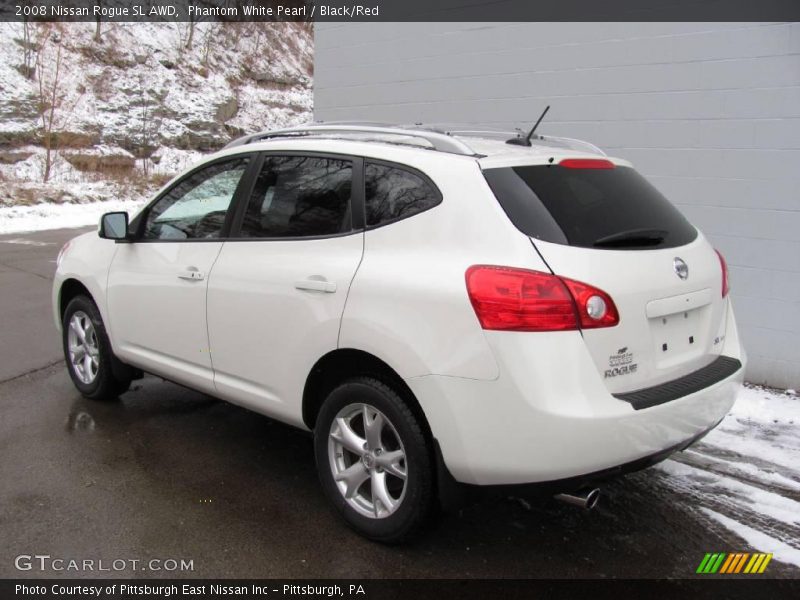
[709, 112]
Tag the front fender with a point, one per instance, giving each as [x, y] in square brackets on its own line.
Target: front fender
[86, 260]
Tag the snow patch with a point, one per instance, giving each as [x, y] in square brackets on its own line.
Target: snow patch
[763, 424]
[748, 469]
[766, 503]
[758, 540]
[32, 169]
[17, 219]
[169, 161]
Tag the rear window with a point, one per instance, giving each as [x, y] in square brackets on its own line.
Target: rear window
[592, 208]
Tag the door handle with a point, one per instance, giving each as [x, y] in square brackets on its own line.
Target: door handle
[316, 285]
[192, 274]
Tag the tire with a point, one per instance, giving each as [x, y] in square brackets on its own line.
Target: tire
[396, 461]
[101, 376]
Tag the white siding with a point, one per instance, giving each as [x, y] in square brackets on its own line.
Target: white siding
[709, 112]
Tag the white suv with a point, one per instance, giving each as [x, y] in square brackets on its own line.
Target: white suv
[442, 310]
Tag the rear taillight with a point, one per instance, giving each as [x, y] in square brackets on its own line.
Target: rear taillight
[595, 307]
[586, 163]
[725, 281]
[509, 299]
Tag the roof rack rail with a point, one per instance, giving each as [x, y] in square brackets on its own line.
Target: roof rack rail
[439, 141]
[356, 122]
[482, 132]
[572, 143]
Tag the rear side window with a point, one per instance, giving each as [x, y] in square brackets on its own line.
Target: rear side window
[393, 193]
[592, 208]
[300, 196]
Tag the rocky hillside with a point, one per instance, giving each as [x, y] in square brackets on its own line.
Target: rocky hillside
[125, 108]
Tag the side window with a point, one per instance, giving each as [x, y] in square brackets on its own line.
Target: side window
[300, 196]
[196, 206]
[393, 193]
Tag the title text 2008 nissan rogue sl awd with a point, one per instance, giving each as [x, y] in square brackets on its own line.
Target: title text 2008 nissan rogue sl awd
[435, 307]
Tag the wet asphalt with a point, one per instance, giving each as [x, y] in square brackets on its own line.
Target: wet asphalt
[167, 473]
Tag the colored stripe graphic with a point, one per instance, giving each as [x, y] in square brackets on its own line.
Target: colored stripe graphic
[755, 562]
[730, 564]
[741, 562]
[717, 564]
[763, 567]
[723, 563]
[727, 564]
[703, 563]
[711, 563]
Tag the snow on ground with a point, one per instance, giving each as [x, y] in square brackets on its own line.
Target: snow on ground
[745, 475]
[37, 217]
[763, 425]
[756, 539]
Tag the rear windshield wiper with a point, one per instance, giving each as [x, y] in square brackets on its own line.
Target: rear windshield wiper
[632, 237]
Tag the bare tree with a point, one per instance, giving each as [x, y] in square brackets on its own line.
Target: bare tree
[190, 35]
[149, 124]
[212, 33]
[98, 4]
[50, 97]
[27, 49]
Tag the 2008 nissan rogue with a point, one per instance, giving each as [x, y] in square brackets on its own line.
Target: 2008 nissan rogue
[435, 307]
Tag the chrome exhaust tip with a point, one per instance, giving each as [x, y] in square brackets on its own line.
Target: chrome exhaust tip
[586, 498]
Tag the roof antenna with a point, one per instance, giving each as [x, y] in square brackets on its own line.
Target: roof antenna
[526, 141]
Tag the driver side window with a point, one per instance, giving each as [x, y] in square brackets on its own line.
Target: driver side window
[195, 208]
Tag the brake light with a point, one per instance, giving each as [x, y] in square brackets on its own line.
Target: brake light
[586, 163]
[725, 280]
[510, 299]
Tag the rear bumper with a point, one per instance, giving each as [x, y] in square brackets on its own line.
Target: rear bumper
[719, 370]
[548, 417]
[454, 492]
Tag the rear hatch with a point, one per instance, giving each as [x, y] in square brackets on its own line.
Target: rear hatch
[603, 224]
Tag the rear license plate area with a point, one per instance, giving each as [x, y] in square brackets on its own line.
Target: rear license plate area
[680, 336]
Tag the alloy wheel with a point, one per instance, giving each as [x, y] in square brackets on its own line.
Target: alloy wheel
[367, 460]
[84, 352]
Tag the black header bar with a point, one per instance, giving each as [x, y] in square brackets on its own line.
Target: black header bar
[400, 10]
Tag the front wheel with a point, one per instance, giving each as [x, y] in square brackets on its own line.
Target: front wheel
[94, 369]
[374, 463]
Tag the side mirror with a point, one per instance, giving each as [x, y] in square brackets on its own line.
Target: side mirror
[114, 226]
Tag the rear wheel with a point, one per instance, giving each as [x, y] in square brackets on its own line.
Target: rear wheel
[373, 461]
[94, 369]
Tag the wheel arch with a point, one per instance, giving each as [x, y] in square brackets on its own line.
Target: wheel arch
[345, 363]
[70, 288]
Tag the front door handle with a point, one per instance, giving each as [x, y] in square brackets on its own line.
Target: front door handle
[192, 274]
[316, 285]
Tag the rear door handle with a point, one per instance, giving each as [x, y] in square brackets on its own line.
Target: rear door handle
[316, 285]
[192, 274]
